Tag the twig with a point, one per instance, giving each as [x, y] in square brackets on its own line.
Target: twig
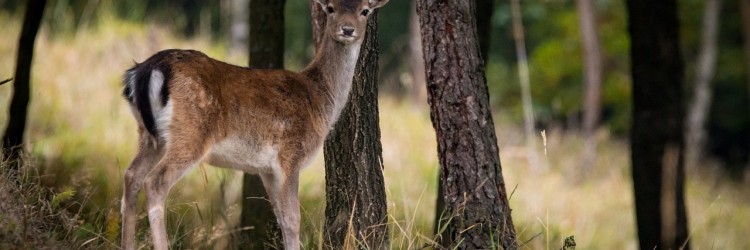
[6, 80]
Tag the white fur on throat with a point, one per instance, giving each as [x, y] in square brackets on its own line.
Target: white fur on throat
[343, 82]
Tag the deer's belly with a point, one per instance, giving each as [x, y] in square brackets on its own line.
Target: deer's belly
[244, 156]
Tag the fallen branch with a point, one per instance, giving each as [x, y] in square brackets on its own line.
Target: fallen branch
[6, 80]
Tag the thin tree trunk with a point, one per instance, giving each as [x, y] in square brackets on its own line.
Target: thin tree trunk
[192, 11]
[657, 129]
[484, 10]
[593, 76]
[416, 61]
[706, 67]
[238, 30]
[13, 136]
[356, 208]
[523, 75]
[266, 48]
[478, 216]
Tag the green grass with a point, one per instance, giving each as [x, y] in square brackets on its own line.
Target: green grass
[82, 137]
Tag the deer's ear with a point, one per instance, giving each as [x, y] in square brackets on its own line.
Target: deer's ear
[374, 4]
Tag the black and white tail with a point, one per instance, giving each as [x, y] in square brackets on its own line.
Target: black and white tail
[147, 91]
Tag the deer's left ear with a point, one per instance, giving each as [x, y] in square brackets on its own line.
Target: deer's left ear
[374, 4]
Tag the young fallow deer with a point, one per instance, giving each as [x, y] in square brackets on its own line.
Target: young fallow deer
[191, 108]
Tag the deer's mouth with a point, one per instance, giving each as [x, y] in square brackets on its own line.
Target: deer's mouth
[345, 38]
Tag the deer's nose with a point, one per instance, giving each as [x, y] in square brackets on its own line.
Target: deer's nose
[348, 30]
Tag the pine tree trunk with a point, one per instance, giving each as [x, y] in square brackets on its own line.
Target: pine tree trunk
[356, 208]
[478, 216]
[266, 48]
[657, 130]
[484, 9]
[18, 112]
[593, 77]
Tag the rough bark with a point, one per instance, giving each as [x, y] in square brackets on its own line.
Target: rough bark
[18, 112]
[593, 80]
[266, 48]
[478, 215]
[356, 208]
[484, 10]
[657, 129]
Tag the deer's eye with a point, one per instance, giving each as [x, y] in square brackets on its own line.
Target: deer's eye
[329, 10]
[365, 12]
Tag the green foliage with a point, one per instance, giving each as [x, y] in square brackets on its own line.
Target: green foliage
[63, 196]
[555, 63]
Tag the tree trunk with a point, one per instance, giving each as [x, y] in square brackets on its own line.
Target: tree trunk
[416, 62]
[356, 208]
[484, 9]
[13, 137]
[192, 11]
[238, 30]
[657, 130]
[266, 48]
[705, 68]
[523, 76]
[478, 215]
[593, 76]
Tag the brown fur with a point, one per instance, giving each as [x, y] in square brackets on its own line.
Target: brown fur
[269, 122]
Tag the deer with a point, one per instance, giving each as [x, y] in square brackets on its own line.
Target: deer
[192, 109]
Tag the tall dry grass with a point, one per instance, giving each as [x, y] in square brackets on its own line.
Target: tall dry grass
[82, 137]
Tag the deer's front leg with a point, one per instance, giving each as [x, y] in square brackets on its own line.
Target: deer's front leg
[282, 191]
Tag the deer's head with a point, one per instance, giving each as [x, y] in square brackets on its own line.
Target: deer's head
[346, 20]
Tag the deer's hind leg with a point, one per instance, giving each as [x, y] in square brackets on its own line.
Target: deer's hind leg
[187, 147]
[148, 155]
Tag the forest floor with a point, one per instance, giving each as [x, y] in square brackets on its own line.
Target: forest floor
[82, 137]
[29, 219]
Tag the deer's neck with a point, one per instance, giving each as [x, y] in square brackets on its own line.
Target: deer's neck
[333, 70]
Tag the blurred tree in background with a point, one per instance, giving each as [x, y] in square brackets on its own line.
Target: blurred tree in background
[12, 140]
[657, 138]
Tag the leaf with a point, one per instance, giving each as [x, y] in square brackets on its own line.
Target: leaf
[63, 197]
